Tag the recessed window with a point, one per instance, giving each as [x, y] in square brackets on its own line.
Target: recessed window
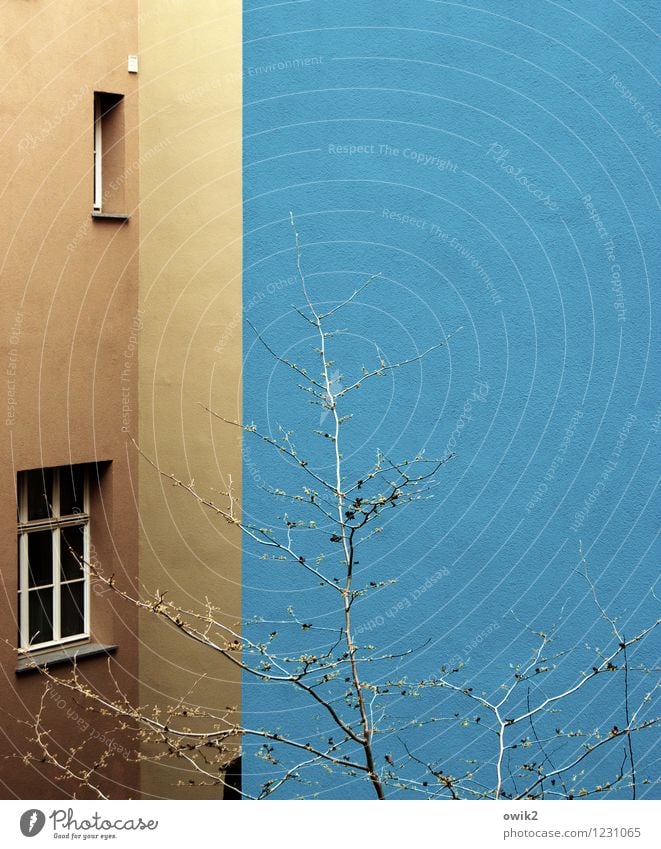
[109, 171]
[53, 550]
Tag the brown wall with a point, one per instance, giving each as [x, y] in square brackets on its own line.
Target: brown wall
[190, 289]
[70, 300]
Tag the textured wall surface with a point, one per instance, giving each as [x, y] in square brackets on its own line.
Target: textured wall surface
[190, 344]
[498, 167]
[69, 298]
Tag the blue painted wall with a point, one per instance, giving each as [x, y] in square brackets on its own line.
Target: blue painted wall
[498, 167]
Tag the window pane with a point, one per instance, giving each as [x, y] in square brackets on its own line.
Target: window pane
[40, 493]
[71, 611]
[40, 558]
[41, 616]
[71, 490]
[72, 553]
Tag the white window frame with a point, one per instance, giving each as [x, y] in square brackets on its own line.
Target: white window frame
[55, 524]
[98, 154]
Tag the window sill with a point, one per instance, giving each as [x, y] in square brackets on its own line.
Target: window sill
[55, 657]
[116, 216]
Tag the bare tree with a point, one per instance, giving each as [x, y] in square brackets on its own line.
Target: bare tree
[326, 525]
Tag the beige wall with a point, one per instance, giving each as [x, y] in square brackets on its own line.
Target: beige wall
[69, 286]
[190, 345]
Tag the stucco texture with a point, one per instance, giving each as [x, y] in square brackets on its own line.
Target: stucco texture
[497, 164]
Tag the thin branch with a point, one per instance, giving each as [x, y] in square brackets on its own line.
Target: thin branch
[351, 298]
[628, 719]
[384, 367]
[604, 741]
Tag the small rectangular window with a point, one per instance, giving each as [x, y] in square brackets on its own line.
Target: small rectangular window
[109, 171]
[53, 553]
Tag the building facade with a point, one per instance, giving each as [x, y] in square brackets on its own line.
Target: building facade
[120, 267]
[190, 344]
